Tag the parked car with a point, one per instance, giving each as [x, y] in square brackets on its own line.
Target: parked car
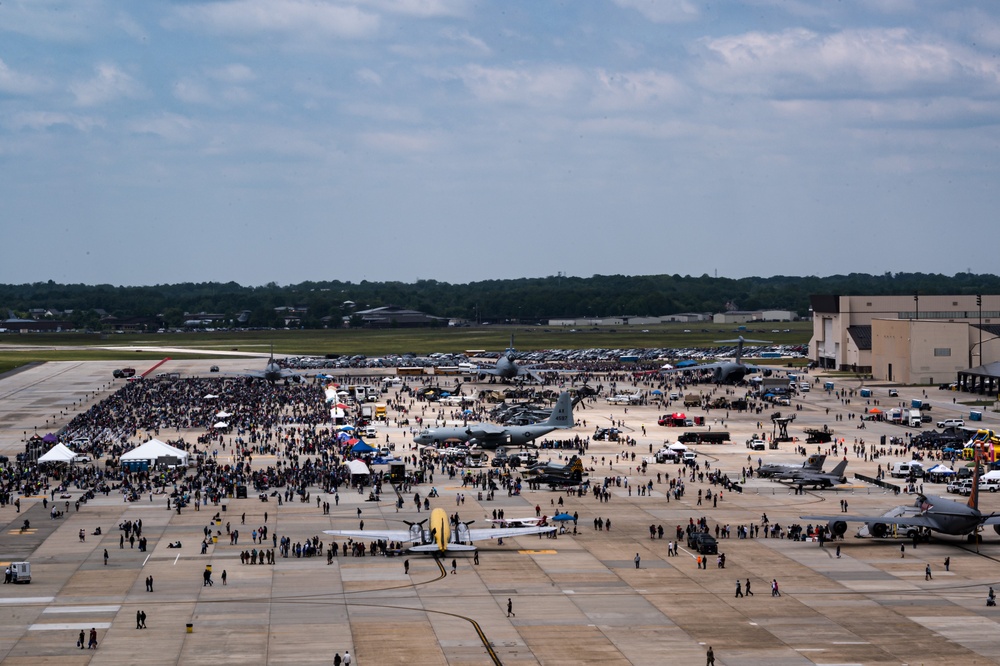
[951, 423]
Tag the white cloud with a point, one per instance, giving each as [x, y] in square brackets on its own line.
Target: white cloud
[295, 18]
[131, 28]
[525, 85]
[40, 120]
[421, 8]
[368, 76]
[169, 126]
[15, 83]
[662, 11]
[463, 37]
[636, 89]
[799, 62]
[234, 73]
[399, 142]
[109, 83]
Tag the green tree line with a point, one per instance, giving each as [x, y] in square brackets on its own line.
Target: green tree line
[521, 300]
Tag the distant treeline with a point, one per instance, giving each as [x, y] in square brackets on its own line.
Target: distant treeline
[496, 301]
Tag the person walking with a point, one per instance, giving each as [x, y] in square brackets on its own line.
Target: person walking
[92, 644]
[347, 658]
[142, 619]
[838, 551]
[475, 558]
[710, 657]
[81, 640]
[927, 573]
[224, 576]
[406, 567]
[902, 550]
[454, 565]
[947, 564]
[739, 589]
[510, 608]
[138, 619]
[774, 588]
[105, 557]
[337, 660]
[748, 592]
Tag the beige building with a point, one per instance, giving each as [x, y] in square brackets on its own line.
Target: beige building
[910, 339]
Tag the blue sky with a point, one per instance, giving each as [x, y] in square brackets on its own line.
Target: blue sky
[457, 140]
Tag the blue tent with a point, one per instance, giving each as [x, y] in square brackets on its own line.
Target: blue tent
[361, 447]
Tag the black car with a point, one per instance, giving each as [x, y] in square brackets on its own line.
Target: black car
[706, 545]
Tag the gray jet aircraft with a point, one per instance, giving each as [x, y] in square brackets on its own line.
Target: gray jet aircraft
[507, 368]
[815, 478]
[813, 463]
[490, 436]
[272, 372]
[930, 513]
[728, 372]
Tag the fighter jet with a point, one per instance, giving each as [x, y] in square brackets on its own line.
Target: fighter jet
[930, 513]
[490, 436]
[814, 478]
[727, 372]
[813, 463]
[562, 476]
[272, 372]
[441, 536]
[507, 368]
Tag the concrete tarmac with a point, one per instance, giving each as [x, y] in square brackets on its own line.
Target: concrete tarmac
[577, 598]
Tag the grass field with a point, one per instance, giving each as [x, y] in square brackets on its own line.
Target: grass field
[17, 350]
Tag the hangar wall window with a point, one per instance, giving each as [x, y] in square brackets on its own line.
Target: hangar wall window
[942, 351]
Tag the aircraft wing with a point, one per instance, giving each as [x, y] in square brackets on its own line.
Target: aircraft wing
[483, 534]
[387, 535]
[696, 368]
[917, 520]
[486, 431]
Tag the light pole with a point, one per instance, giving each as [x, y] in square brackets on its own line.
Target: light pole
[979, 303]
[916, 305]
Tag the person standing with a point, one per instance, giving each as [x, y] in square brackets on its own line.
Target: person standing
[105, 557]
[454, 565]
[475, 558]
[406, 567]
[927, 573]
[710, 657]
[510, 608]
[92, 644]
[142, 618]
[947, 564]
[138, 619]
[81, 640]
[637, 559]
[902, 550]
[224, 576]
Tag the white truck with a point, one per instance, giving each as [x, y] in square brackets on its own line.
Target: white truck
[913, 417]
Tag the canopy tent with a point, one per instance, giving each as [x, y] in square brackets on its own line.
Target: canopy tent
[222, 415]
[221, 425]
[677, 446]
[50, 438]
[154, 450]
[361, 447]
[58, 453]
[357, 467]
[210, 396]
[941, 469]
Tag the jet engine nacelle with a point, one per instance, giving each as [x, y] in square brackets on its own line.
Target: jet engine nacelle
[879, 530]
[996, 528]
[838, 528]
[767, 373]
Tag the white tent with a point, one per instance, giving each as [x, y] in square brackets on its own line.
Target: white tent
[153, 450]
[222, 415]
[221, 425]
[677, 446]
[58, 453]
[357, 467]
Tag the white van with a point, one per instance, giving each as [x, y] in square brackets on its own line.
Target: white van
[805, 387]
[901, 470]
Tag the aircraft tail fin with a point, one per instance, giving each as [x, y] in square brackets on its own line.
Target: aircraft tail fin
[562, 413]
[815, 461]
[839, 470]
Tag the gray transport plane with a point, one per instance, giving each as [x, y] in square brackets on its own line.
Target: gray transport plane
[728, 372]
[928, 513]
[272, 372]
[490, 436]
[507, 368]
